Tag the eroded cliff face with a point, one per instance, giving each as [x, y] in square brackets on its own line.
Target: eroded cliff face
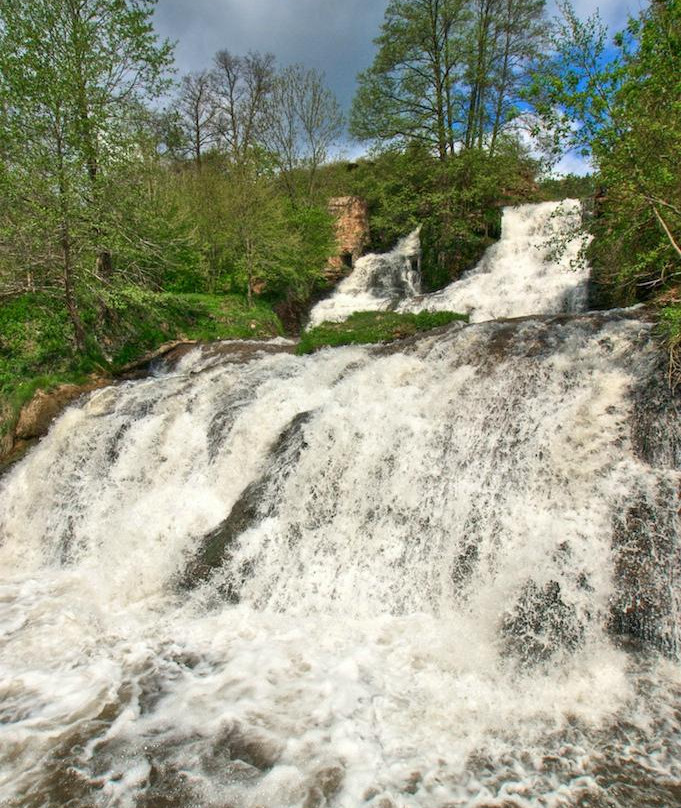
[352, 233]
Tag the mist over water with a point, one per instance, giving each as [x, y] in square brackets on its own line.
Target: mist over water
[426, 575]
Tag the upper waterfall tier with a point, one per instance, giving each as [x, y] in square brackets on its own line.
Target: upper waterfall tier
[377, 282]
[535, 268]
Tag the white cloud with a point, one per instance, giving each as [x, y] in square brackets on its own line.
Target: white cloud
[572, 164]
[614, 13]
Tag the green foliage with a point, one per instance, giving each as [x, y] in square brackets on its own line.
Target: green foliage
[73, 76]
[669, 328]
[571, 186]
[153, 235]
[108, 245]
[670, 324]
[457, 201]
[266, 235]
[36, 352]
[134, 321]
[374, 326]
[33, 339]
[622, 106]
[447, 73]
[247, 235]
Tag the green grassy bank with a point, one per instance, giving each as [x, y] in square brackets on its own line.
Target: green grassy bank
[373, 326]
[36, 345]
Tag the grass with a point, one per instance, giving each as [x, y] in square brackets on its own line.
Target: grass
[144, 320]
[373, 326]
[35, 353]
[36, 344]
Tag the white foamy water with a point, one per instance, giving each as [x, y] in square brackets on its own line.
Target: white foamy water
[417, 563]
[378, 282]
[536, 267]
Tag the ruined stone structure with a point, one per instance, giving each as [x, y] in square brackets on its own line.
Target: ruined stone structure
[352, 233]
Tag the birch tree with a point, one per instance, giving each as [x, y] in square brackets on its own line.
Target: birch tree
[447, 73]
[303, 120]
[242, 86]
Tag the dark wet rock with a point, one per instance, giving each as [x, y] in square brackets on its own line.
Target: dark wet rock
[257, 502]
[166, 358]
[247, 747]
[167, 787]
[540, 625]
[407, 344]
[170, 352]
[656, 417]
[327, 784]
[464, 566]
[12, 451]
[647, 560]
[413, 783]
[534, 336]
[237, 352]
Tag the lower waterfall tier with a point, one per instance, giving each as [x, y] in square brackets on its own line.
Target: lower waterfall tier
[433, 574]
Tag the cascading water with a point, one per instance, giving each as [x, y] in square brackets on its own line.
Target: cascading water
[378, 282]
[432, 574]
[536, 267]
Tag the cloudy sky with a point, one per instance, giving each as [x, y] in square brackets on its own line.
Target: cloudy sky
[334, 36]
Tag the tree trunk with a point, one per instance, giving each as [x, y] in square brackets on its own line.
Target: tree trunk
[504, 82]
[69, 292]
[249, 273]
[65, 243]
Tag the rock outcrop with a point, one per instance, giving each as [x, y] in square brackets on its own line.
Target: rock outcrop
[37, 415]
[352, 233]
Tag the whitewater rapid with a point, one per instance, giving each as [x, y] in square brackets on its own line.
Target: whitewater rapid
[424, 575]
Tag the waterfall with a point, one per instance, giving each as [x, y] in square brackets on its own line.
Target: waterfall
[431, 574]
[377, 282]
[535, 267]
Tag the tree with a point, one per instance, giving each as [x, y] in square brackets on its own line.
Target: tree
[72, 76]
[268, 237]
[197, 113]
[519, 37]
[409, 91]
[302, 121]
[447, 72]
[242, 85]
[621, 107]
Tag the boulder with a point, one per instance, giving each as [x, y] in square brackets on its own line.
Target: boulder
[37, 415]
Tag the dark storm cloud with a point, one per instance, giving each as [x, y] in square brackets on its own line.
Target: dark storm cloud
[334, 36]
